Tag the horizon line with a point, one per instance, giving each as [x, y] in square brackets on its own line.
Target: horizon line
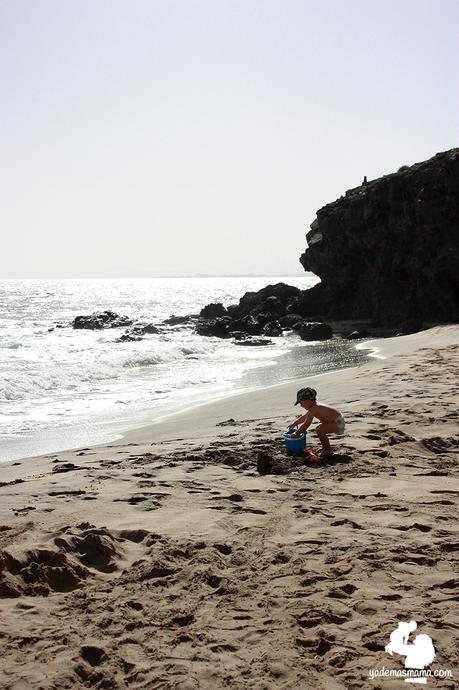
[174, 275]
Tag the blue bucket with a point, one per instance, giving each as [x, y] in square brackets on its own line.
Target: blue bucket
[295, 445]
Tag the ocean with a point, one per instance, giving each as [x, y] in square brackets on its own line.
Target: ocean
[63, 388]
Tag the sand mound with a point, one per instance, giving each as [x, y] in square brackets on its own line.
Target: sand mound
[40, 571]
[94, 547]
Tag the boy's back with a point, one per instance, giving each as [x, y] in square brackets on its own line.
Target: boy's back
[324, 413]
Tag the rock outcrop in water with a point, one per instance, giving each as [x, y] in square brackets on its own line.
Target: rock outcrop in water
[101, 320]
[267, 312]
[388, 250]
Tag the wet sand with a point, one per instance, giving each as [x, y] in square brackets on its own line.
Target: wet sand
[166, 561]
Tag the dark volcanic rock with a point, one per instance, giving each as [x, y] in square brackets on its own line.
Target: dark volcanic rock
[257, 313]
[99, 320]
[211, 311]
[313, 331]
[178, 320]
[356, 335]
[411, 326]
[217, 327]
[273, 329]
[137, 331]
[289, 321]
[129, 338]
[248, 324]
[254, 342]
[308, 303]
[389, 250]
[260, 301]
[272, 306]
[142, 328]
[239, 335]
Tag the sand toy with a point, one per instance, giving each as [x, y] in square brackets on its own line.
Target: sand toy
[294, 445]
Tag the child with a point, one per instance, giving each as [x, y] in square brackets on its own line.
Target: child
[331, 420]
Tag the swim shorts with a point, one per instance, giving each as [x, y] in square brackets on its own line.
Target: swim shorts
[340, 424]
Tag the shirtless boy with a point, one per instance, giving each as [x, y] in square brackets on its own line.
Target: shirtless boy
[331, 420]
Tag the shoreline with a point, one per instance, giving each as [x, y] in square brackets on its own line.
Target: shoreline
[202, 420]
[116, 430]
[167, 561]
[199, 417]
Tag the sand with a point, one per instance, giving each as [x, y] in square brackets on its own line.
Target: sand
[165, 560]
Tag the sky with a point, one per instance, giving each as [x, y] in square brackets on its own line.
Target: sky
[162, 137]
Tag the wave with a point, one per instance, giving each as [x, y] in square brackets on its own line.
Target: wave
[59, 376]
[31, 383]
[143, 362]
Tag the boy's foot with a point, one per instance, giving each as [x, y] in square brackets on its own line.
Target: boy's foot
[326, 455]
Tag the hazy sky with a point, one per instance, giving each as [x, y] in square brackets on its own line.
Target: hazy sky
[143, 137]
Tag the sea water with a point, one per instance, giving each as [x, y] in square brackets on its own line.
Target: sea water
[63, 388]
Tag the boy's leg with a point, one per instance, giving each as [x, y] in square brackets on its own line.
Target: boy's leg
[323, 430]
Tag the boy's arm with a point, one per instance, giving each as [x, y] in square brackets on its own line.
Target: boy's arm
[298, 421]
[307, 421]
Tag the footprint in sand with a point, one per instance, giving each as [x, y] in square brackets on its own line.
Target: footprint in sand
[392, 508]
[345, 521]
[449, 546]
[23, 511]
[93, 655]
[314, 617]
[415, 525]
[342, 592]
[233, 497]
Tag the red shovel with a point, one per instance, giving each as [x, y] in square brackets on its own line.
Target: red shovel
[309, 455]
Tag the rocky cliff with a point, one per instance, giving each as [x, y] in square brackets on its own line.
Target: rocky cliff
[388, 250]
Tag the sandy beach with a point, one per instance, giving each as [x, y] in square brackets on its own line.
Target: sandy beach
[165, 561]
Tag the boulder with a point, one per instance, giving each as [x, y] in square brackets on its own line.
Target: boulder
[272, 306]
[178, 320]
[214, 327]
[273, 329]
[248, 324]
[254, 342]
[128, 337]
[289, 321]
[253, 301]
[314, 331]
[100, 320]
[143, 328]
[212, 310]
